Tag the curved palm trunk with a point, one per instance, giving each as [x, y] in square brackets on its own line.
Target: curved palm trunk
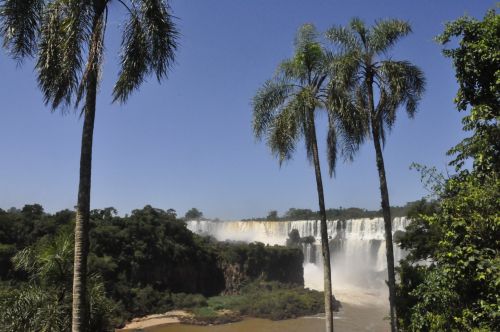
[325, 249]
[386, 211]
[79, 312]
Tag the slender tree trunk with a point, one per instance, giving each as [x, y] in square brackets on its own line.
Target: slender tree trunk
[386, 209]
[80, 319]
[80, 312]
[325, 249]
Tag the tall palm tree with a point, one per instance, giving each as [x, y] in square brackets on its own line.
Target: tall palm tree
[284, 110]
[66, 37]
[399, 84]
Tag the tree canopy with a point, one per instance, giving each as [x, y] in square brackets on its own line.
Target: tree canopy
[193, 214]
[459, 290]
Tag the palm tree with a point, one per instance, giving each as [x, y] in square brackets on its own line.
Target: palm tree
[66, 37]
[44, 303]
[400, 85]
[284, 111]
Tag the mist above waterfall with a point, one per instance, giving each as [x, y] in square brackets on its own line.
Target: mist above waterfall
[357, 248]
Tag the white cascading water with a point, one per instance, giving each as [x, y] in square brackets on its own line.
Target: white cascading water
[357, 252]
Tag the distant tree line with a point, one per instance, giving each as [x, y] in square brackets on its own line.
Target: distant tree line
[334, 214]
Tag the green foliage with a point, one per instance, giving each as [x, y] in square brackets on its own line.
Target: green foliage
[44, 303]
[284, 107]
[421, 237]
[477, 64]
[193, 214]
[460, 289]
[282, 303]
[467, 264]
[294, 239]
[476, 59]
[147, 255]
[148, 262]
[258, 261]
[300, 214]
[66, 38]
[204, 312]
[22, 228]
[271, 300]
[432, 180]
[33, 309]
[363, 64]
[272, 215]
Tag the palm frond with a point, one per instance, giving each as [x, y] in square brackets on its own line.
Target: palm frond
[349, 118]
[285, 107]
[399, 83]
[51, 79]
[385, 113]
[305, 103]
[306, 35]
[33, 308]
[358, 26]
[292, 70]
[20, 26]
[65, 31]
[78, 32]
[309, 59]
[148, 46]
[284, 132]
[266, 103]
[25, 260]
[135, 58]
[344, 38]
[343, 70]
[386, 33]
[161, 33]
[404, 85]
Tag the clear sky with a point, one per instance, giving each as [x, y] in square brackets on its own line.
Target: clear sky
[188, 142]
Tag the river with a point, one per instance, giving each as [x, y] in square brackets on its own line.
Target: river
[351, 318]
[361, 311]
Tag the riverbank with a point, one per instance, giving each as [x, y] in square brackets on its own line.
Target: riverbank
[170, 317]
[361, 310]
[351, 318]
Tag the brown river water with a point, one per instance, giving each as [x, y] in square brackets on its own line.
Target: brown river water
[351, 318]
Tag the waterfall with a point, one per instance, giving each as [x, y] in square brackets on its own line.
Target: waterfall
[357, 246]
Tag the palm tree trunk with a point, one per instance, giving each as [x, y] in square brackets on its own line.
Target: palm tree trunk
[386, 210]
[79, 318]
[325, 249]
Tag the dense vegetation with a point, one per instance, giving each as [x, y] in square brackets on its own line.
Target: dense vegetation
[458, 235]
[66, 40]
[267, 300]
[147, 262]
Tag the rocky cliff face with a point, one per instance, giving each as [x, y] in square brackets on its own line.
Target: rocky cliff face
[243, 263]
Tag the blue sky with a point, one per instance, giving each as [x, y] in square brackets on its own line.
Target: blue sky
[188, 142]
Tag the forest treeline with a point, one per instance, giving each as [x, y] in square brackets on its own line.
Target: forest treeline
[148, 262]
[334, 214]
